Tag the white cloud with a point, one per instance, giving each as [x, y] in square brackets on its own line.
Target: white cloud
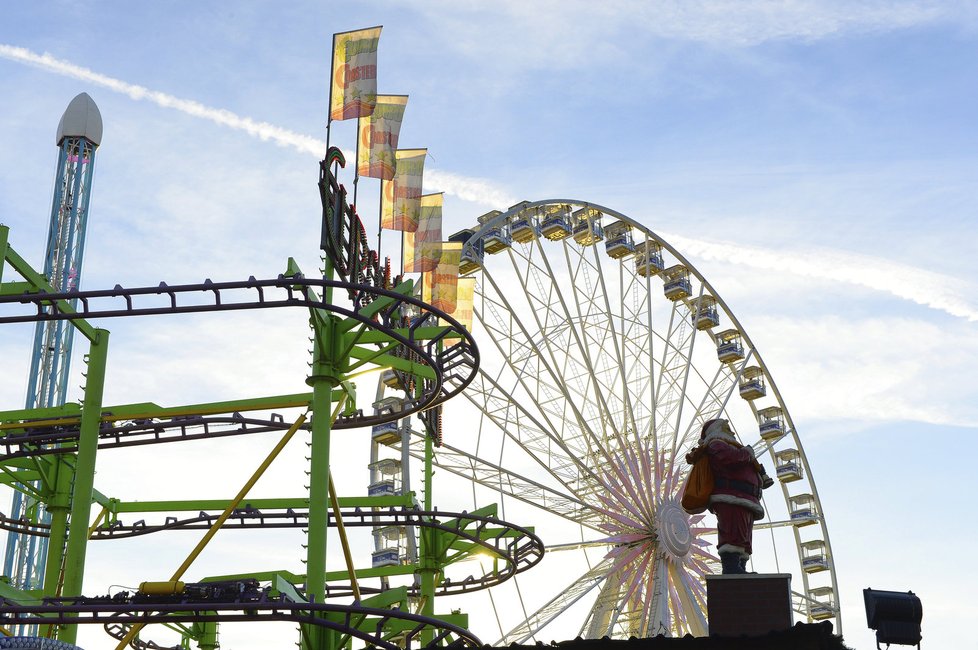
[568, 33]
[935, 290]
[756, 21]
[871, 369]
[469, 189]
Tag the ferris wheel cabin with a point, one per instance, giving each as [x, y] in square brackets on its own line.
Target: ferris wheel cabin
[770, 423]
[496, 239]
[525, 226]
[387, 433]
[788, 462]
[824, 605]
[752, 383]
[648, 258]
[472, 254]
[705, 314]
[730, 346]
[587, 226]
[814, 557]
[556, 223]
[619, 242]
[676, 284]
[802, 509]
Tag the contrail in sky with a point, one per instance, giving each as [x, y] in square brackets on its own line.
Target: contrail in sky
[469, 189]
[934, 290]
[923, 287]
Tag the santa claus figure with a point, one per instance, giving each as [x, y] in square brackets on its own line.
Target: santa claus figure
[736, 497]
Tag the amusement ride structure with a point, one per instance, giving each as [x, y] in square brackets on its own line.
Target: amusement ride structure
[595, 381]
[592, 383]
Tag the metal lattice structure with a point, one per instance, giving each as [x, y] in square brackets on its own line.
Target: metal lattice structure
[79, 135]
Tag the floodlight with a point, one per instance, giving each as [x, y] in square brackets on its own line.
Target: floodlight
[894, 615]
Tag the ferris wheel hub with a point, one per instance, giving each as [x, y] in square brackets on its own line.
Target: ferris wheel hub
[674, 530]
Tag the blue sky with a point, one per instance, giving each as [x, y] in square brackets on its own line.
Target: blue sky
[814, 160]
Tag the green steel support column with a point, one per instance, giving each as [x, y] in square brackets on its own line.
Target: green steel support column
[428, 566]
[58, 504]
[84, 479]
[206, 635]
[323, 379]
[3, 248]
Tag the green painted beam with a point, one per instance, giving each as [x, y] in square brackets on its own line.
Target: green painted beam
[196, 505]
[4, 235]
[420, 334]
[15, 288]
[72, 412]
[39, 283]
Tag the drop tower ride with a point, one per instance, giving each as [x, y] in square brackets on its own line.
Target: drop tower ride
[79, 135]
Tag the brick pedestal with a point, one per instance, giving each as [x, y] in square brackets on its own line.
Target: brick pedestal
[749, 604]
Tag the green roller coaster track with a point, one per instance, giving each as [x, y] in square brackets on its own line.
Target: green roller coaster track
[56, 449]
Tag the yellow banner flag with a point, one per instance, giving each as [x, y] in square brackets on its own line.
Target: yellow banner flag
[440, 287]
[422, 248]
[353, 84]
[378, 137]
[465, 302]
[401, 200]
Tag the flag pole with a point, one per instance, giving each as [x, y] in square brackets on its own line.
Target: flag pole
[329, 104]
[356, 164]
[380, 218]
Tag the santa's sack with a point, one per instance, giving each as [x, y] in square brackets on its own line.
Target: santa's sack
[699, 486]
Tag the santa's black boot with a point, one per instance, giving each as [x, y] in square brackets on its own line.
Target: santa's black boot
[731, 563]
[743, 566]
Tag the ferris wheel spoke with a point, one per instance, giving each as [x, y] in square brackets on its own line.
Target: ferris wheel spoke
[616, 367]
[506, 482]
[552, 609]
[538, 440]
[692, 602]
[673, 366]
[637, 356]
[577, 370]
[715, 399]
[684, 368]
[558, 401]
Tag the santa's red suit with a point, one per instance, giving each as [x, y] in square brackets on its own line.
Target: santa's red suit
[736, 493]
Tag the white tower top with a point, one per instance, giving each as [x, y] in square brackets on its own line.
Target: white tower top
[81, 119]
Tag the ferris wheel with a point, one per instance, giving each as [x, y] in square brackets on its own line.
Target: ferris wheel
[603, 352]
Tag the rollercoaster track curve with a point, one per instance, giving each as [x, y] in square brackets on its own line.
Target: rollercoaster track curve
[122, 615]
[451, 354]
[519, 548]
[42, 441]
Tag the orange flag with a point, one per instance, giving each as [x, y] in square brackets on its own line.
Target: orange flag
[353, 85]
[422, 248]
[465, 301]
[401, 200]
[378, 137]
[440, 288]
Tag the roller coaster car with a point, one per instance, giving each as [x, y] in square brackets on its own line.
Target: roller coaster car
[221, 591]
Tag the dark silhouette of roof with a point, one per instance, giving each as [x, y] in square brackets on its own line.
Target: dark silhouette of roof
[815, 636]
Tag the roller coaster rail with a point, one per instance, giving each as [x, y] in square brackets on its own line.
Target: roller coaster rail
[41, 441]
[519, 548]
[453, 363]
[94, 611]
